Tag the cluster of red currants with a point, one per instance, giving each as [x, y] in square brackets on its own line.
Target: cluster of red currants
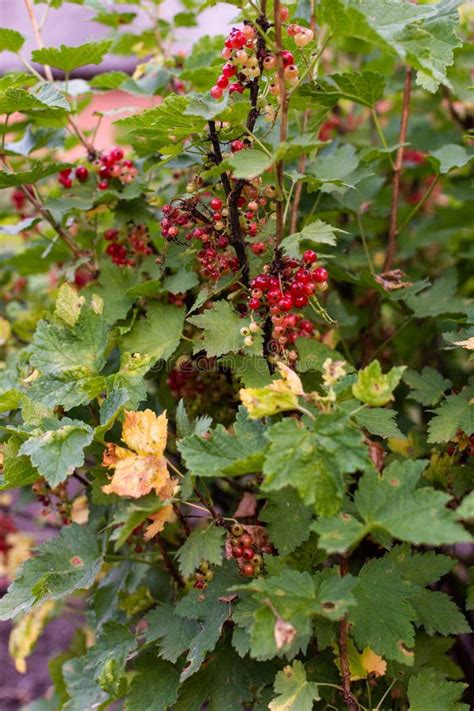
[80, 173]
[7, 526]
[57, 497]
[239, 49]
[208, 227]
[18, 199]
[112, 165]
[290, 288]
[124, 253]
[246, 552]
[244, 65]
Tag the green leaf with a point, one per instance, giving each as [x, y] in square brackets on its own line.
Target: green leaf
[295, 692]
[311, 236]
[105, 660]
[455, 413]
[383, 617]
[59, 449]
[375, 388]
[221, 329]
[163, 124]
[69, 58]
[108, 80]
[155, 685]
[158, 335]
[113, 287]
[38, 171]
[314, 462]
[438, 299]
[224, 683]
[204, 106]
[288, 520]
[223, 453]
[203, 544]
[208, 607]
[422, 36]
[249, 163]
[364, 88]
[450, 156]
[438, 613]
[428, 386]
[17, 470]
[173, 633]
[379, 421]
[10, 40]
[312, 355]
[62, 565]
[392, 503]
[295, 597]
[429, 690]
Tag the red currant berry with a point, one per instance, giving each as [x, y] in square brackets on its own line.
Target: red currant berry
[66, 182]
[82, 174]
[258, 248]
[288, 58]
[303, 276]
[236, 87]
[228, 70]
[245, 540]
[237, 551]
[104, 172]
[300, 301]
[284, 13]
[111, 234]
[222, 82]
[320, 274]
[248, 553]
[216, 203]
[216, 92]
[261, 282]
[65, 173]
[237, 146]
[310, 256]
[254, 304]
[248, 570]
[116, 154]
[306, 325]
[238, 39]
[286, 303]
[103, 185]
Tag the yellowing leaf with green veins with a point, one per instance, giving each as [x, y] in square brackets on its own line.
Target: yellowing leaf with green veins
[362, 664]
[295, 692]
[278, 396]
[68, 304]
[26, 632]
[374, 387]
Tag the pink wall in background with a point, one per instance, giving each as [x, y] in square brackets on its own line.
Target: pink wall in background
[72, 25]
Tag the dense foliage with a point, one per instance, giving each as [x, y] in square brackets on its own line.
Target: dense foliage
[235, 359]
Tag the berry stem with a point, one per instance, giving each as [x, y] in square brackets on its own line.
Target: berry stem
[393, 229]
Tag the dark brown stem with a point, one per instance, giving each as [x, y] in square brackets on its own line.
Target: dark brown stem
[80, 478]
[283, 96]
[349, 698]
[170, 567]
[217, 155]
[397, 168]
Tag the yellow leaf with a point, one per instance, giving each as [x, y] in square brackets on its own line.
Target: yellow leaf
[278, 396]
[5, 331]
[80, 510]
[373, 663]
[26, 631]
[163, 515]
[19, 550]
[142, 467]
[144, 432]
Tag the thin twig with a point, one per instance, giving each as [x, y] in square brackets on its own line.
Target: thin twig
[393, 229]
[349, 698]
[39, 39]
[419, 204]
[170, 567]
[283, 97]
